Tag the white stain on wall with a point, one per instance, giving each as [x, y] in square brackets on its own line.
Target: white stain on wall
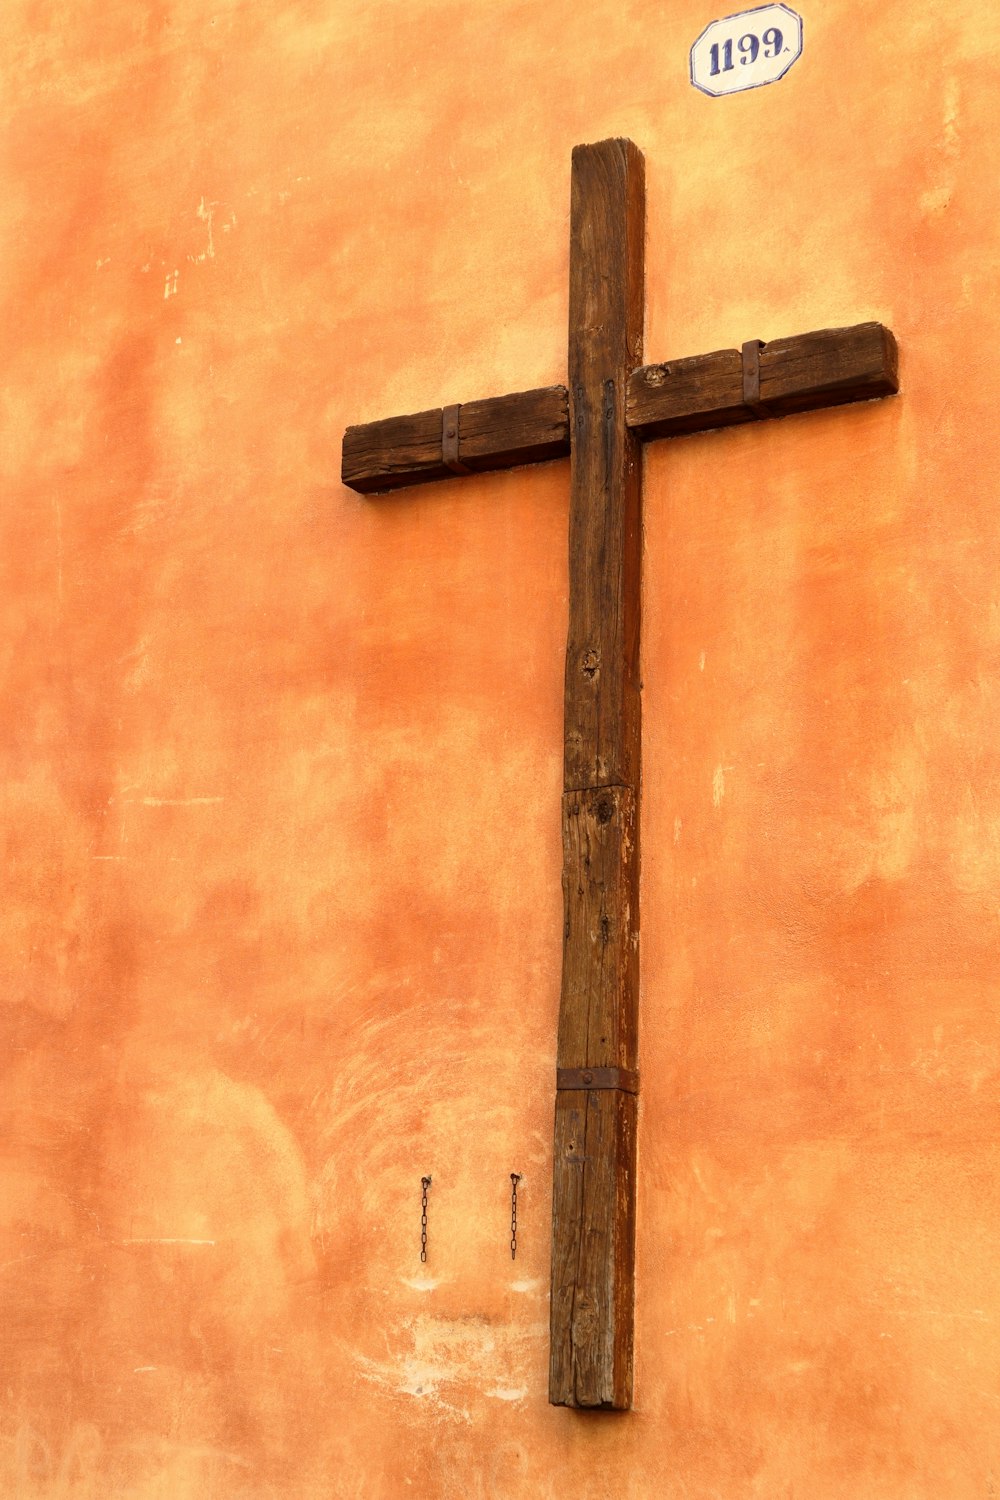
[718, 786]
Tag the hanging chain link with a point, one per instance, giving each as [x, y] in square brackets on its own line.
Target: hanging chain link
[515, 1178]
[425, 1183]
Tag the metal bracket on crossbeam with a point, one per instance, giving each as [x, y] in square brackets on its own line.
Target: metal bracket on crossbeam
[626, 1079]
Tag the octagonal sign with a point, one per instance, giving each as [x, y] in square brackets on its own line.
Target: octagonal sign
[747, 50]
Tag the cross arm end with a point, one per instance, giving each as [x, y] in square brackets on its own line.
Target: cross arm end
[499, 432]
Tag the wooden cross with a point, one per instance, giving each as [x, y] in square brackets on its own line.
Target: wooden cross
[613, 404]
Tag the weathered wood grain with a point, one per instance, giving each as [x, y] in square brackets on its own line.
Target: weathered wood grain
[593, 1258]
[594, 1171]
[597, 1016]
[687, 395]
[526, 427]
[830, 367]
[607, 227]
[397, 451]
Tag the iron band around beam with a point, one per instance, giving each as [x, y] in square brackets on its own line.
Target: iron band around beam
[626, 1079]
[751, 377]
[449, 440]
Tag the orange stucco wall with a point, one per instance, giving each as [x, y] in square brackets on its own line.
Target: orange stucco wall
[280, 917]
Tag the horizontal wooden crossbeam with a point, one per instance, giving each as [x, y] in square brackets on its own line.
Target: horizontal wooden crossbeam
[811, 370]
[829, 367]
[498, 433]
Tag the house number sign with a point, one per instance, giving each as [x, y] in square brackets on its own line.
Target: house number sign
[747, 50]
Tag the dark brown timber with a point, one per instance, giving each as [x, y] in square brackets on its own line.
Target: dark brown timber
[525, 428]
[593, 1267]
[607, 219]
[597, 1017]
[811, 370]
[610, 408]
[593, 1219]
[830, 367]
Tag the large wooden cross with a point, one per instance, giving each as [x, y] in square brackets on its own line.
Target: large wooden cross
[613, 404]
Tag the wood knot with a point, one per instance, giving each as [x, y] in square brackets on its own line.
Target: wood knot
[605, 810]
[591, 663]
[585, 1319]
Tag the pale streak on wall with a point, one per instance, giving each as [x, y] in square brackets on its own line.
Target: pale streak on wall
[280, 925]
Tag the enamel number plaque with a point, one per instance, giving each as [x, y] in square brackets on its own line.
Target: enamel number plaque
[746, 51]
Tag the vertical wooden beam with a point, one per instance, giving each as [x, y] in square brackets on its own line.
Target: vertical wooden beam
[594, 1179]
[607, 231]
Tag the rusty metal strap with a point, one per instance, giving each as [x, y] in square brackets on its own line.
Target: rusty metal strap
[751, 377]
[626, 1079]
[449, 440]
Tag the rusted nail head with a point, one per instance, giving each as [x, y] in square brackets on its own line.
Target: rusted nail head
[588, 1077]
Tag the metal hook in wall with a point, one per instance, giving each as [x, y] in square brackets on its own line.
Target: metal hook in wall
[425, 1183]
[515, 1178]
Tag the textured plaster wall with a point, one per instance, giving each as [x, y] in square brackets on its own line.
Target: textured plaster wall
[280, 915]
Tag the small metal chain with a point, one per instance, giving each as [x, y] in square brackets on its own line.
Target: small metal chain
[425, 1183]
[515, 1178]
